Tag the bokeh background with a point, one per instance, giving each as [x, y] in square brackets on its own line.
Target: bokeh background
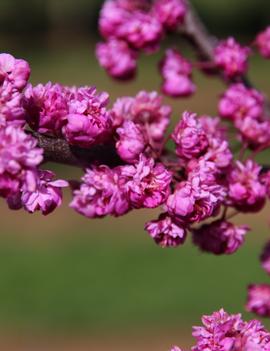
[68, 283]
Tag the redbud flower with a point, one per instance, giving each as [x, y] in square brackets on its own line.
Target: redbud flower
[189, 137]
[219, 153]
[219, 237]
[117, 58]
[254, 133]
[167, 231]
[213, 127]
[46, 107]
[224, 332]
[265, 179]
[176, 72]
[13, 71]
[47, 194]
[176, 348]
[265, 257]
[239, 102]
[263, 43]
[147, 183]
[19, 157]
[142, 31]
[146, 109]
[231, 57]
[258, 300]
[194, 201]
[132, 141]
[246, 192]
[170, 13]
[101, 193]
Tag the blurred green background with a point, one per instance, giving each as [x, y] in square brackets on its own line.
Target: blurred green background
[76, 284]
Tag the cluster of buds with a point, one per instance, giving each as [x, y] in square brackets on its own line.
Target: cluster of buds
[224, 332]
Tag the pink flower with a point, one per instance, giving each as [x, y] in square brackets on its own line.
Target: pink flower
[146, 109]
[265, 179]
[47, 194]
[176, 348]
[254, 133]
[176, 72]
[231, 57]
[213, 128]
[239, 102]
[189, 137]
[224, 332]
[194, 201]
[101, 193]
[265, 258]
[19, 157]
[142, 31]
[117, 58]
[132, 141]
[46, 107]
[170, 13]
[13, 71]
[147, 183]
[167, 231]
[219, 237]
[246, 192]
[258, 300]
[219, 153]
[263, 42]
[88, 121]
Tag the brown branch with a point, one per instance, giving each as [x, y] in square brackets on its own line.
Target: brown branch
[59, 151]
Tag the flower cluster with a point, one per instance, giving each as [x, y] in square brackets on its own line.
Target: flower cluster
[263, 43]
[224, 332]
[129, 27]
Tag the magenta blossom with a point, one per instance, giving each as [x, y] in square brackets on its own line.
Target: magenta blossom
[265, 179]
[239, 102]
[194, 201]
[167, 231]
[246, 192]
[117, 58]
[189, 137]
[224, 332]
[132, 141]
[146, 109]
[231, 57]
[258, 300]
[213, 127]
[219, 237]
[265, 258]
[176, 72]
[263, 42]
[254, 133]
[101, 193]
[19, 157]
[170, 13]
[13, 71]
[46, 107]
[47, 194]
[147, 183]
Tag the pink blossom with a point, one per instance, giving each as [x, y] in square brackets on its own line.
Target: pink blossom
[219, 153]
[219, 237]
[246, 192]
[19, 157]
[147, 183]
[258, 300]
[176, 72]
[101, 193]
[167, 231]
[254, 133]
[207, 171]
[176, 348]
[224, 332]
[265, 179]
[265, 258]
[194, 201]
[46, 107]
[170, 13]
[132, 141]
[146, 109]
[117, 58]
[213, 127]
[189, 137]
[263, 42]
[231, 57]
[142, 31]
[13, 71]
[239, 102]
[47, 194]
